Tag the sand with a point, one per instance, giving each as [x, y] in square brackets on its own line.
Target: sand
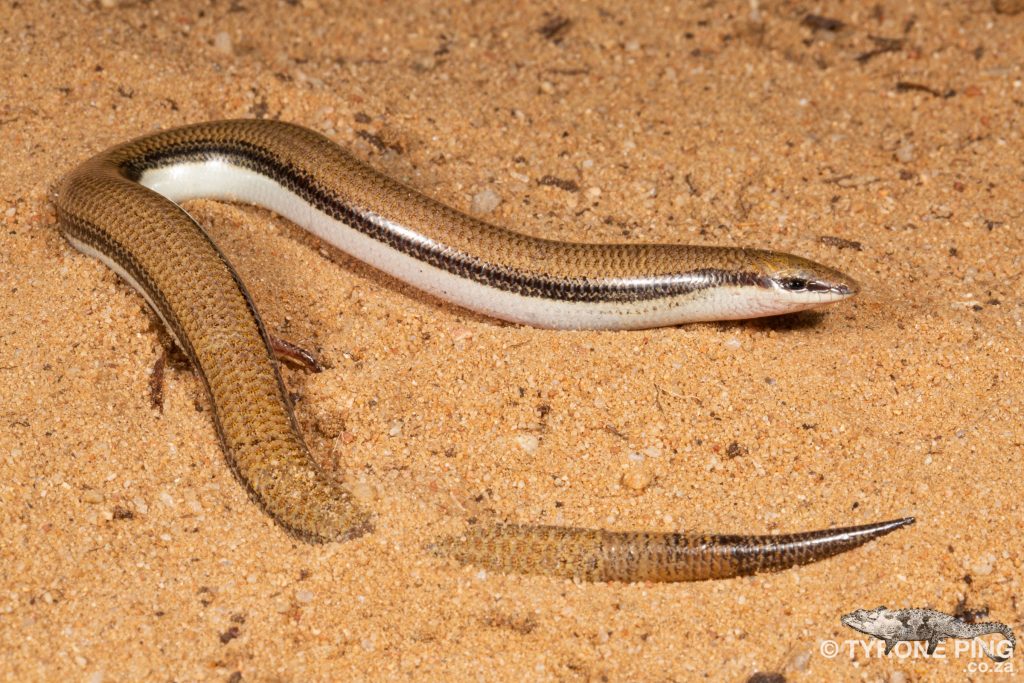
[886, 144]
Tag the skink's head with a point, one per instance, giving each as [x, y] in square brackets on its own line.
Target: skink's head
[771, 283]
[802, 283]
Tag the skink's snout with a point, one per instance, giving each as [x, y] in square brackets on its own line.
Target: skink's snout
[848, 288]
[802, 283]
[840, 285]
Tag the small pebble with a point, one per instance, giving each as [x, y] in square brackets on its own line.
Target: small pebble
[528, 442]
[905, 153]
[485, 201]
[461, 334]
[222, 43]
[362, 492]
[396, 428]
[636, 480]
[304, 596]
[733, 343]
[652, 452]
[425, 63]
[983, 565]
[92, 496]
[800, 661]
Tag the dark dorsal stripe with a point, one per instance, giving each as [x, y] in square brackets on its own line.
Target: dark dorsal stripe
[523, 283]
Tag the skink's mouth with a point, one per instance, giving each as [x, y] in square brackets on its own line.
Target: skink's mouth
[842, 289]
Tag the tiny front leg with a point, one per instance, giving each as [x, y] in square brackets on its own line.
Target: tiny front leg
[170, 354]
[289, 352]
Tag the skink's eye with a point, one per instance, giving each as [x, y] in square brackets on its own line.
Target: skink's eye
[794, 284]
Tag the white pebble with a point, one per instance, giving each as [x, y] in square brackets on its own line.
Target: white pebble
[304, 596]
[222, 43]
[528, 442]
[485, 201]
[636, 480]
[800, 661]
[362, 492]
[983, 565]
[905, 153]
[652, 452]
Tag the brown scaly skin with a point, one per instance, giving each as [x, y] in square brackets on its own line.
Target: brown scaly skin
[199, 295]
[201, 299]
[596, 555]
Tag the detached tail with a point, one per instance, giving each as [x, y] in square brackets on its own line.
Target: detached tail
[597, 555]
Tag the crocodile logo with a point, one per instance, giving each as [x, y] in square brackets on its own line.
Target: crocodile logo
[895, 625]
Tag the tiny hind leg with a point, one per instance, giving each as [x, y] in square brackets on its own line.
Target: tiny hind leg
[293, 353]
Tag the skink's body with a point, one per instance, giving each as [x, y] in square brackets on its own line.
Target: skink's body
[119, 207]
